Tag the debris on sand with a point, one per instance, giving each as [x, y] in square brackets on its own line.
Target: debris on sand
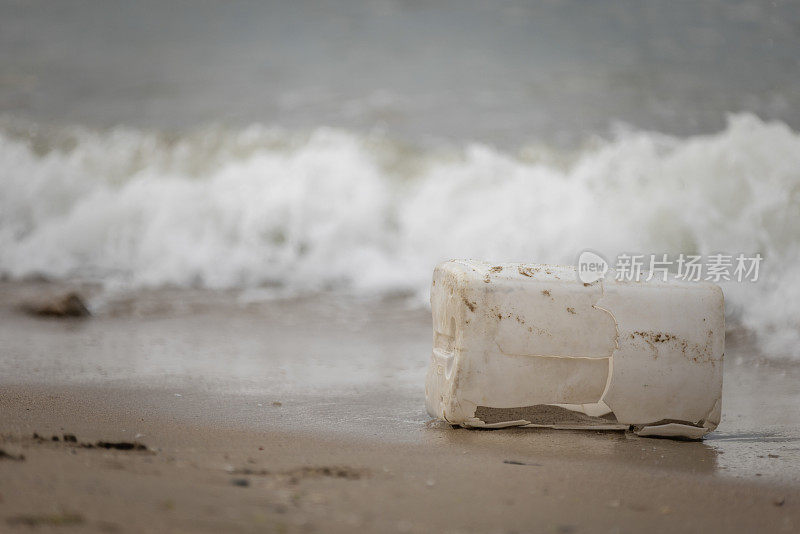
[69, 305]
[71, 439]
[299, 473]
[119, 445]
[53, 520]
[520, 363]
[517, 462]
[350, 473]
[241, 482]
[8, 456]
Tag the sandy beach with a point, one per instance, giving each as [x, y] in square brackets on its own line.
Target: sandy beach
[307, 415]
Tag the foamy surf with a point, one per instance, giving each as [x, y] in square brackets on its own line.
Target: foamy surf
[261, 207]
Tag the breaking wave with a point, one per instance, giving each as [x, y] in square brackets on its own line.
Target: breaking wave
[303, 212]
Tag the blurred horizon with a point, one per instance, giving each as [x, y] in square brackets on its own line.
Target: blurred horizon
[508, 73]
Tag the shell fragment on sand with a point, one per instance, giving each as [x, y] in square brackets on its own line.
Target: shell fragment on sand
[532, 345]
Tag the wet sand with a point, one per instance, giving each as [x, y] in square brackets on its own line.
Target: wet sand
[306, 415]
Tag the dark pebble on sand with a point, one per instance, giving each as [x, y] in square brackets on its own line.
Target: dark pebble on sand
[121, 445]
[241, 482]
[69, 305]
[517, 462]
[8, 456]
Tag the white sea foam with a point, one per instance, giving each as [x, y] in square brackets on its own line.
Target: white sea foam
[331, 209]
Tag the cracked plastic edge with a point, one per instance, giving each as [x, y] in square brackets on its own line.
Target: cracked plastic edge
[672, 430]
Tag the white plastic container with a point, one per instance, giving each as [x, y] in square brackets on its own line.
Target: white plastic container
[531, 345]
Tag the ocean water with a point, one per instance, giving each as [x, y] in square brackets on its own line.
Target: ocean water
[333, 210]
[291, 148]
